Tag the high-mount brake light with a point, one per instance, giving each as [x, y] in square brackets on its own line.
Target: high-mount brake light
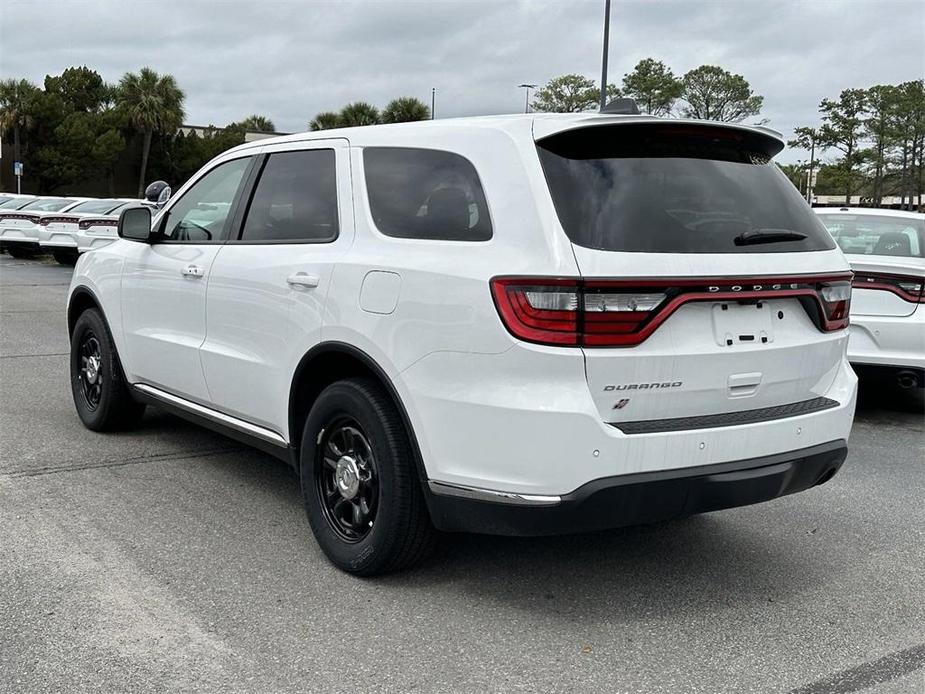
[623, 313]
[908, 288]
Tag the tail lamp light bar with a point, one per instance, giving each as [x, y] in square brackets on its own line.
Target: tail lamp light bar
[623, 313]
[87, 223]
[45, 221]
[6, 216]
[908, 288]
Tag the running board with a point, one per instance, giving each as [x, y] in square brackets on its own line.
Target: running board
[260, 437]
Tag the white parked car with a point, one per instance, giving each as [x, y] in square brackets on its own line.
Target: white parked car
[96, 231]
[57, 232]
[19, 227]
[519, 325]
[886, 249]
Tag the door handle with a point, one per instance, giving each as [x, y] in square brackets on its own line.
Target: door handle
[301, 279]
[193, 271]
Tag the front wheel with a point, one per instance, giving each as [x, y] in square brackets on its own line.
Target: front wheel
[65, 256]
[98, 385]
[360, 483]
[19, 251]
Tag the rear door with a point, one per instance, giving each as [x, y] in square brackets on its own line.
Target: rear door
[267, 287]
[164, 282]
[704, 271]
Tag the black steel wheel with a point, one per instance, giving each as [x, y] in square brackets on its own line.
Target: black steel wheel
[91, 369]
[347, 480]
[101, 395]
[360, 481]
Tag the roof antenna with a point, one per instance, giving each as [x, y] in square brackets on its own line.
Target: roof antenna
[626, 107]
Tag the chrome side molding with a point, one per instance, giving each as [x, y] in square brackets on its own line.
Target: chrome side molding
[491, 495]
[259, 432]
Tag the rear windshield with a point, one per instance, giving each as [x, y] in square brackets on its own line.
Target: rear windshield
[15, 203]
[96, 206]
[48, 204]
[877, 234]
[676, 189]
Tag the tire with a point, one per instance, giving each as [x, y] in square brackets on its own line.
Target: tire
[19, 251]
[357, 419]
[65, 256]
[101, 395]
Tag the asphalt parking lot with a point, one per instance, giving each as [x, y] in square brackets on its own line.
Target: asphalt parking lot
[172, 559]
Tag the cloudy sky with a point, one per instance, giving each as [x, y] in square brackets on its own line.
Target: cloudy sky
[289, 60]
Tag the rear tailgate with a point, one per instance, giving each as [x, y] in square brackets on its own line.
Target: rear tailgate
[667, 216]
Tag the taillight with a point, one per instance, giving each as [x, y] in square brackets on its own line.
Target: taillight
[87, 223]
[908, 288]
[45, 221]
[623, 313]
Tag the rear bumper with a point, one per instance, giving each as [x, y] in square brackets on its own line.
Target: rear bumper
[637, 498]
[888, 340]
[58, 239]
[14, 235]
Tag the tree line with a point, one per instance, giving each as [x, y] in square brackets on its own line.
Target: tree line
[708, 92]
[76, 127]
[878, 136]
[404, 109]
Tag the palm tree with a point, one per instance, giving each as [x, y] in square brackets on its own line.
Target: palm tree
[358, 113]
[261, 124]
[152, 103]
[405, 109]
[15, 109]
[325, 121]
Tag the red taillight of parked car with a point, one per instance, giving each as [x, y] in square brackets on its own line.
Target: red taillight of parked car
[7, 216]
[906, 287]
[45, 221]
[623, 313]
[87, 223]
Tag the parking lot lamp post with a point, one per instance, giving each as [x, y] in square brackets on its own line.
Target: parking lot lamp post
[527, 88]
[604, 56]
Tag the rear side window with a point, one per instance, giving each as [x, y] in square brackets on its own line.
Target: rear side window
[676, 189]
[295, 199]
[877, 235]
[425, 194]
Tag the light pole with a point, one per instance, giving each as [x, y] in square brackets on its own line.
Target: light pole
[433, 102]
[606, 51]
[527, 88]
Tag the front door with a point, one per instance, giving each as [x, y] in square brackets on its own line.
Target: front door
[164, 283]
[267, 288]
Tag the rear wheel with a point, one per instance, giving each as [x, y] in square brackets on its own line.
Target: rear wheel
[65, 256]
[360, 483]
[101, 395]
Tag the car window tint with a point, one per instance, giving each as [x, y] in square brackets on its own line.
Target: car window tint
[48, 204]
[295, 199]
[201, 214]
[425, 194]
[95, 206]
[877, 234]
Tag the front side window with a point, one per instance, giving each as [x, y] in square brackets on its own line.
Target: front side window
[877, 234]
[425, 194]
[295, 199]
[202, 214]
[674, 189]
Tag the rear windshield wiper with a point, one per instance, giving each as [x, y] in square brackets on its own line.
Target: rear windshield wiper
[768, 236]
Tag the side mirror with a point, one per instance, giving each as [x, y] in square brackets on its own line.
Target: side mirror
[158, 193]
[135, 224]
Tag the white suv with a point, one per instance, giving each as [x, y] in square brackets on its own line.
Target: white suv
[519, 325]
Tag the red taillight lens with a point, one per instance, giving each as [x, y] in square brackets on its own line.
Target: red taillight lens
[544, 311]
[623, 313]
[908, 288]
[836, 304]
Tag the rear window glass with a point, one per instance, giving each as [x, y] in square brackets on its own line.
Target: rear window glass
[295, 199]
[877, 235]
[425, 194]
[676, 190]
[48, 204]
[96, 206]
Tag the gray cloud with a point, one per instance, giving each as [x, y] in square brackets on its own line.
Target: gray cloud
[290, 60]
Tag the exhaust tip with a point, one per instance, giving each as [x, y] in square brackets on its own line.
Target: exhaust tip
[907, 379]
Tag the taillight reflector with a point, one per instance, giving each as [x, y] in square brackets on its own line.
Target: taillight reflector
[623, 313]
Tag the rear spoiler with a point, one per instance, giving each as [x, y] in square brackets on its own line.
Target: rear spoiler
[766, 140]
